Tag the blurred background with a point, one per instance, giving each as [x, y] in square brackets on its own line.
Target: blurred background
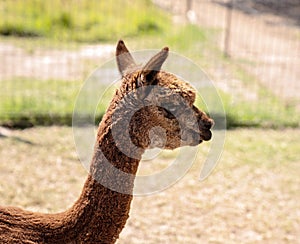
[249, 48]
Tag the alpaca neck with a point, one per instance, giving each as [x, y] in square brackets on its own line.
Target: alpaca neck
[101, 212]
[98, 216]
[103, 207]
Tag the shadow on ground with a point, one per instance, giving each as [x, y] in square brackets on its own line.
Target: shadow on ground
[287, 9]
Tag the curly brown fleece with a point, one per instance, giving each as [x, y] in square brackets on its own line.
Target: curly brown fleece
[100, 214]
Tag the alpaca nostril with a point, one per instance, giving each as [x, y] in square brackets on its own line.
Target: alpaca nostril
[208, 124]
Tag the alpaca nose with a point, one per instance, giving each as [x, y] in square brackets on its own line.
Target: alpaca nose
[208, 123]
[204, 121]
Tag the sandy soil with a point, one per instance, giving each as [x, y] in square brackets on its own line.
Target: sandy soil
[251, 197]
[51, 63]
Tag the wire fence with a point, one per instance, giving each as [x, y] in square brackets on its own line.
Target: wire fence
[260, 36]
[263, 35]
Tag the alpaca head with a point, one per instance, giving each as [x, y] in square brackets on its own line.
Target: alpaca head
[156, 105]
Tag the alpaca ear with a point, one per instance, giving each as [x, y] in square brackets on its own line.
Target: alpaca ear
[150, 70]
[124, 59]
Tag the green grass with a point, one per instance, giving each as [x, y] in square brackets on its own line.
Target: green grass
[44, 102]
[52, 101]
[185, 39]
[35, 96]
[265, 110]
[82, 21]
[36, 102]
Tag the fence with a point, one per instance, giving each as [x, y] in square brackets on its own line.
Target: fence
[260, 37]
[269, 43]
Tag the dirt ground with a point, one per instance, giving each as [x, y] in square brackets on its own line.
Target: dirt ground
[50, 63]
[251, 197]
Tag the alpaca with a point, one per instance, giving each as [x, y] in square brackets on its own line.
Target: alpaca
[100, 214]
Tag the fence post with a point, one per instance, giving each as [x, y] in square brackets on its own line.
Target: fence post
[228, 29]
[188, 7]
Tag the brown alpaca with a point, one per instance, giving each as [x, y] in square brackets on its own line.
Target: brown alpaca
[100, 214]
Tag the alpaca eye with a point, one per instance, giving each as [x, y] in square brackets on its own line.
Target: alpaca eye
[172, 109]
[139, 82]
[169, 106]
[168, 114]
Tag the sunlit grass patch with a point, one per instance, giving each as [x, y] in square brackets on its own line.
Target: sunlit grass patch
[82, 21]
[45, 102]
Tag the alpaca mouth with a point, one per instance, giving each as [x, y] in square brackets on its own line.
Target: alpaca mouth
[205, 135]
[193, 138]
